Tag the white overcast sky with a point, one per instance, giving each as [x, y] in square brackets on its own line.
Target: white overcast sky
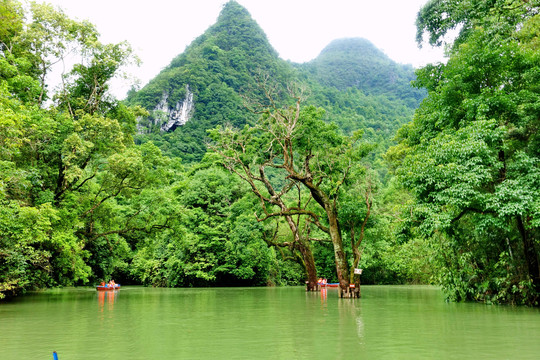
[158, 30]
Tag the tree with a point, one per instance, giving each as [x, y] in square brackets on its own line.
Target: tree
[211, 242]
[69, 170]
[471, 157]
[240, 154]
[438, 17]
[355, 218]
[306, 150]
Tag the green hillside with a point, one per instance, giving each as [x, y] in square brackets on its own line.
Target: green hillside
[217, 67]
[358, 86]
[357, 63]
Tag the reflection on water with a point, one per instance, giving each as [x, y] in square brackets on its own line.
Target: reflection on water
[360, 328]
[324, 294]
[107, 297]
[388, 322]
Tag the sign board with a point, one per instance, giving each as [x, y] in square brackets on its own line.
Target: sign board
[358, 271]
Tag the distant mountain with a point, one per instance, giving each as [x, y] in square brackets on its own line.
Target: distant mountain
[356, 83]
[362, 88]
[357, 63]
[201, 87]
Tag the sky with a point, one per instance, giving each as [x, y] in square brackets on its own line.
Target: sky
[159, 30]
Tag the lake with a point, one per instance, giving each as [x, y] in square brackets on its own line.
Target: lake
[388, 322]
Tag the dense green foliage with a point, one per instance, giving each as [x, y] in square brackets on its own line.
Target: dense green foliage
[361, 88]
[356, 63]
[471, 155]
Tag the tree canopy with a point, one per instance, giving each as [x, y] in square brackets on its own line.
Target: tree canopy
[470, 157]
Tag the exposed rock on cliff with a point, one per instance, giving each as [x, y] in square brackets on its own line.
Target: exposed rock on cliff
[180, 114]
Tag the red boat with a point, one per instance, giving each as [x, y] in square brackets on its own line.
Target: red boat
[331, 285]
[107, 288]
[335, 285]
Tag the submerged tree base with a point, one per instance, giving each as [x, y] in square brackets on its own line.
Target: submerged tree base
[350, 293]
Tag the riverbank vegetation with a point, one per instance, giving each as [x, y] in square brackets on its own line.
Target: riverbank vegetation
[436, 184]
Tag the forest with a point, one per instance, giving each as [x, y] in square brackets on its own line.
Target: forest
[285, 172]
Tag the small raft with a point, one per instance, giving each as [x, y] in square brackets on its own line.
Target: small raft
[107, 288]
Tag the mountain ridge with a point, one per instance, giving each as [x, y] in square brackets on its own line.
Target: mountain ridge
[357, 62]
[224, 62]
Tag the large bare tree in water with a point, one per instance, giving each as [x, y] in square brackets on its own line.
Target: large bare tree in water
[301, 149]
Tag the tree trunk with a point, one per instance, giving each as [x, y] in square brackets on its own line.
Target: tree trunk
[531, 256]
[58, 192]
[342, 268]
[356, 292]
[309, 264]
[334, 230]
[356, 277]
[305, 249]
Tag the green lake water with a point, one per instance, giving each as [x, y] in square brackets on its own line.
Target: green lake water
[389, 322]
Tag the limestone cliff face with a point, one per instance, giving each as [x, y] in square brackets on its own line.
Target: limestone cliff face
[218, 66]
[179, 115]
